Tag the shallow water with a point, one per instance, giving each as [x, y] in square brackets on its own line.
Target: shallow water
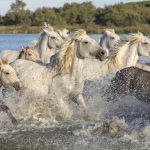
[131, 130]
[123, 125]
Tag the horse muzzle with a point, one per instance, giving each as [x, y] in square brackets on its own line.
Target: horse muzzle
[17, 86]
[101, 55]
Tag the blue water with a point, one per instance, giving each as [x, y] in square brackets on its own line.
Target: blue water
[15, 41]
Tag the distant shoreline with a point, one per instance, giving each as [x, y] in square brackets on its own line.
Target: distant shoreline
[92, 28]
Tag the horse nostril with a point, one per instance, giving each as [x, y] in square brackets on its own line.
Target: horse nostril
[17, 86]
[102, 53]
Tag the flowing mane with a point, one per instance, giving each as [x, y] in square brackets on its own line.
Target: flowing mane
[136, 37]
[67, 53]
[114, 58]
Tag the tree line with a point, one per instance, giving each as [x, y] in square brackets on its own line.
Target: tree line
[118, 15]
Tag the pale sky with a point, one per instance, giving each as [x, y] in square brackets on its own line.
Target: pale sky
[33, 4]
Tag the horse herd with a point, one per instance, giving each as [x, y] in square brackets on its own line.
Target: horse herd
[55, 65]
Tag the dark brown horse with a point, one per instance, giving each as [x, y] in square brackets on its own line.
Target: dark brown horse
[130, 81]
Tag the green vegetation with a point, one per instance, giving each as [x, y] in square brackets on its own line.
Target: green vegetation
[141, 3]
[129, 17]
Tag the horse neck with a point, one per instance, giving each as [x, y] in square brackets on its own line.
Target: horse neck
[49, 53]
[127, 56]
[43, 46]
[77, 68]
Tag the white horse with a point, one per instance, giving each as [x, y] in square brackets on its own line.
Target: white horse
[63, 79]
[8, 78]
[92, 69]
[48, 44]
[26, 52]
[109, 40]
[126, 54]
[29, 53]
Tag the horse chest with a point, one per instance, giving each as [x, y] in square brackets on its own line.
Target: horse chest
[62, 86]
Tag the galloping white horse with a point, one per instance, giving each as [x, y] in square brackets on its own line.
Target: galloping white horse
[29, 54]
[109, 40]
[63, 79]
[48, 44]
[8, 78]
[26, 52]
[126, 54]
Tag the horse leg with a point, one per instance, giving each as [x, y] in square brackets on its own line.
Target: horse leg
[64, 110]
[5, 109]
[80, 101]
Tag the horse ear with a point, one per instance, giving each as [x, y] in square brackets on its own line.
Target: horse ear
[4, 61]
[23, 48]
[45, 30]
[48, 26]
[45, 25]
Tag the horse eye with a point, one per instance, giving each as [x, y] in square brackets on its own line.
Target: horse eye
[85, 42]
[29, 54]
[145, 43]
[68, 32]
[53, 37]
[7, 73]
[112, 38]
